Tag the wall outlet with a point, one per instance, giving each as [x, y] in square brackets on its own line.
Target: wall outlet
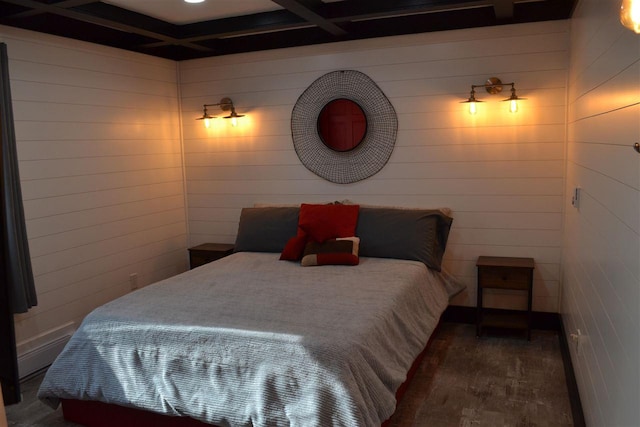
[577, 340]
[133, 281]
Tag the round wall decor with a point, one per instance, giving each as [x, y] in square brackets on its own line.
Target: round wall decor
[371, 154]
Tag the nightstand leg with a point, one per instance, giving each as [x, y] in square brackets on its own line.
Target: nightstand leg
[530, 305]
[479, 311]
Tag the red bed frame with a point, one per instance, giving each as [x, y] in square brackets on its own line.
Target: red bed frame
[98, 414]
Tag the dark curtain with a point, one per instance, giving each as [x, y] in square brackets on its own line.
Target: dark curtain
[18, 289]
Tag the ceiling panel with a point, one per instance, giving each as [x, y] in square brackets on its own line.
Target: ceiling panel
[180, 12]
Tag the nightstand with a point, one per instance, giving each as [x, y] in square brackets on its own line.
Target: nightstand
[505, 273]
[207, 252]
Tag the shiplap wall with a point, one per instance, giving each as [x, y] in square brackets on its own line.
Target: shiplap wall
[98, 137]
[601, 268]
[501, 173]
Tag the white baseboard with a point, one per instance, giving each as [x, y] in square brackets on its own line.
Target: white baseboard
[43, 350]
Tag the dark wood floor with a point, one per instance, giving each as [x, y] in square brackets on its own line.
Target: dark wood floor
[490, 381]
[463, 381]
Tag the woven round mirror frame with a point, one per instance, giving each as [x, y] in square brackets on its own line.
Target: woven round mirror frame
[373, 152]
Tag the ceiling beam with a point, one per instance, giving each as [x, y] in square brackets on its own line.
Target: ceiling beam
[65, 4]
[375, 9]
[308, 14]
[503, 9]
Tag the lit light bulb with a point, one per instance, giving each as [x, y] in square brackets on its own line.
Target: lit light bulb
[630, 15]
[234, 121]
[473, 108]
[207, 123]
[513, 106]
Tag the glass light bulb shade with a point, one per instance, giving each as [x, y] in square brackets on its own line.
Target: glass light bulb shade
[513, 106]
[207, 123]
[234, 121]
[630, 15]
[473, 108]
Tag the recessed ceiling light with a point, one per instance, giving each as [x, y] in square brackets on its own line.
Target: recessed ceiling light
[194, 1]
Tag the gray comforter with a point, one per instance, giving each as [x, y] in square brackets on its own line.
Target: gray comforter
[252, 341]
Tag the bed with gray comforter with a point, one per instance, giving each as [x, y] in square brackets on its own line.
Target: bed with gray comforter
[253, 341]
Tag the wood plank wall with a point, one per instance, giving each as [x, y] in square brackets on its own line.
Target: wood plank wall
[501, 173]
[98, 135]
[601, 273]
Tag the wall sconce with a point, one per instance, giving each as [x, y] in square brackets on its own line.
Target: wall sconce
[493, 85]
[225, 104]
[630, 15]
[472, 101]
[206, 116]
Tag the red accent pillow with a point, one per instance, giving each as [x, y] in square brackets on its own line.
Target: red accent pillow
[324, 222]
[294, 248]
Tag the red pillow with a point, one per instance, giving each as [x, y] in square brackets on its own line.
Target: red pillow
[294, 248]
[324, 222]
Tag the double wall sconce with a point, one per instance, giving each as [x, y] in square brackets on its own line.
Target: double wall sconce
[493, 86]
[225, 104]
[630, 15]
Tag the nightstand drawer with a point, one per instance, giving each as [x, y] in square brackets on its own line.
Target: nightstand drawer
[504, 277]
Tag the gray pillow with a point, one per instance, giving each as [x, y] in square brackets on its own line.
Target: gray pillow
[418, 235]
[266, 229]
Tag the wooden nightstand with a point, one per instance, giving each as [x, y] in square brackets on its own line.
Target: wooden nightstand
[505, 273]
[207, 252]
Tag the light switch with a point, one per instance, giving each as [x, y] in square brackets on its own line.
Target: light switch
[575, 199]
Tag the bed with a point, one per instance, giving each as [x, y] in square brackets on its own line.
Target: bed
[254, 340]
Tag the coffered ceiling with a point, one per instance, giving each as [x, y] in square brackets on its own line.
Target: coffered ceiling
[178, 30]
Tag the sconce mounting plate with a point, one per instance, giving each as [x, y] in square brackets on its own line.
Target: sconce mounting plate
[493, 85]
[226, 104]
